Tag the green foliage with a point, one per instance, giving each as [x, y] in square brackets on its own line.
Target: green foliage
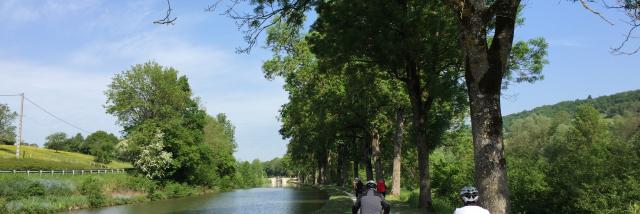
[170, 190]
[617, 104]
[102, 145]
[573, 164]
[13, 188]
[149, 99]
[526, 61]
[75, 144]
[99, 144]
[153, 161]
[7, 129]
[249, 174]
[176, 190]
[56, 141]
[219, 135]
[275, 167]
[93, 189]
[452, 164]
[52, 194]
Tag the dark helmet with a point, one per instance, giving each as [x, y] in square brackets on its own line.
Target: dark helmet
[371, 184]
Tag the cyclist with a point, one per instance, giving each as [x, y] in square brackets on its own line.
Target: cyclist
[371, 202]
[470, 197]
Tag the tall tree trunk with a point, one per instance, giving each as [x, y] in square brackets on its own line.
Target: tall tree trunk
[322, 177]
[420, 128]
[315, 176]
[355, 169]
[367, 160]
[375, 146]
[357, 157]
[340, 168]
[397, 152]
[490, 163]
[484, 70]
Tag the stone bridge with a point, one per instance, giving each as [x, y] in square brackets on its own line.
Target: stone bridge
[282, 181]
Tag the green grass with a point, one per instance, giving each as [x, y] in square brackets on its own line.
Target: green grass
[33, 158]
[20, 193]
[338, 203]
[406, 203]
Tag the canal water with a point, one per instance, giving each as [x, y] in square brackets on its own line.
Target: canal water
[266, 200]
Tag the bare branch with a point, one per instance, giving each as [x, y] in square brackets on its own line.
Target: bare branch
[167, 19]
[586, 6]
[618, 50]
[264, 15]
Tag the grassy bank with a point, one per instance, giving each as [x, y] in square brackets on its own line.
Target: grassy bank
[33, 158]
[407, 203]
[339, 202]
[50, 194]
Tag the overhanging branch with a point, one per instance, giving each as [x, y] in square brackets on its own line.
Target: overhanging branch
[167, 19]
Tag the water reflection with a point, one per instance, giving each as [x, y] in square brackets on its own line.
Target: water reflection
[257, 200]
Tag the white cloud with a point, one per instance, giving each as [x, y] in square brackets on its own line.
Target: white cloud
[21, 11]
[73, 86]
[72, 95]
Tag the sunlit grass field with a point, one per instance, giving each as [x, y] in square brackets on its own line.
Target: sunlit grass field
[33, 158]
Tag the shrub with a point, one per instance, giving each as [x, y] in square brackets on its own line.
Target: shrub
[414, 198]
[3, 205]
[56, 187]
[92, 188]
[18, 187]
[175, 190]
[35, 189]
[137, 183]
[156, 194]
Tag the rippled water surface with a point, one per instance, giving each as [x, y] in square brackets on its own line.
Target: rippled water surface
[281, 200]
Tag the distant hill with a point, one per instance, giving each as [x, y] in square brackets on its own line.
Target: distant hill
[46, 159]
[609, 106]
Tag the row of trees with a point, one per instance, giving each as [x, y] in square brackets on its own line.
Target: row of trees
[582, 163]
[435, 50]
[397, 75]
[100, 144]
[572, 162]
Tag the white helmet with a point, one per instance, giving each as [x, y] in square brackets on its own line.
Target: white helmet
[469, 194]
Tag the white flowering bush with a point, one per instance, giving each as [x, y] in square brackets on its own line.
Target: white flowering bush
[153, 161]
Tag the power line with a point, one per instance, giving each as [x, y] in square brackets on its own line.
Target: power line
[54, 116]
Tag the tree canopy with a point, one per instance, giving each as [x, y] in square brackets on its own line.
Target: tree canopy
[7, 129]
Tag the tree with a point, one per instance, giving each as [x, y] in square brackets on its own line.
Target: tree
[7, 129]
[486, 30]
[153, 161]
[414, 42]
[219, 134]
[581, 147]
[75, 144]
[150, 99]
[56, 141]
[102, 145]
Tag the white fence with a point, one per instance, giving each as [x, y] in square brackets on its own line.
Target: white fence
[65, 172]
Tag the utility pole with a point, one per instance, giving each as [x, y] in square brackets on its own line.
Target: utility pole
[19, 141]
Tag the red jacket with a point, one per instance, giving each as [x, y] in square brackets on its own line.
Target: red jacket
[380, 187]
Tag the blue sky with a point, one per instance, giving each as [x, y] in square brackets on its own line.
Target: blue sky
[62, 54]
